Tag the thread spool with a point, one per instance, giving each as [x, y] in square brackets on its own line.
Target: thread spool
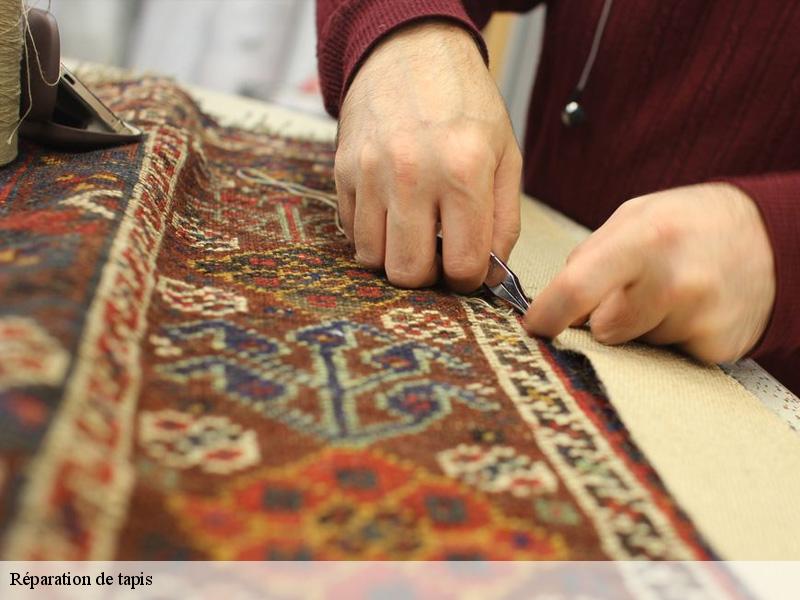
[11, 31]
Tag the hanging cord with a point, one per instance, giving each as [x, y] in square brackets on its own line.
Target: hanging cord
[598, 36]
[573, 113]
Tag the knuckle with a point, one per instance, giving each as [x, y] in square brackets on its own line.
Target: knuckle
[634, 209]
[576, 252]
[464, 268]
[661, 235]
[610, 327]
[465, 157]
[404, 161]
[368, 159]
[668, 297]
[626, 318]
[634, 205]
[601, 330]
[694, 287]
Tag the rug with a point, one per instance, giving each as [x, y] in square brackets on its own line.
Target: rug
[194, 367]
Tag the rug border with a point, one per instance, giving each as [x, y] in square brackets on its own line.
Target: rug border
[80, 448]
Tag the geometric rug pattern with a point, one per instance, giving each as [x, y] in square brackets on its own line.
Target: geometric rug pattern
[194, 367]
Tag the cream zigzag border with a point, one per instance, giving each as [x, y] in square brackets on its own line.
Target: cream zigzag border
[502, 343]
[661, 543]
[89, 445]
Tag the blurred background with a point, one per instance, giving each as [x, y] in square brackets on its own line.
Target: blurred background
[263, 49]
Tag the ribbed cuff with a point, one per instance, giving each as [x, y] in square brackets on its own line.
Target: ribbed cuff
[358, 25]
[778, 198]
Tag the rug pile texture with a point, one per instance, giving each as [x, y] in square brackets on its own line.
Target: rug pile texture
[194, 367]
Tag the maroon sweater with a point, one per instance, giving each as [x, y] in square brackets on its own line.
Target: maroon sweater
[681, 92]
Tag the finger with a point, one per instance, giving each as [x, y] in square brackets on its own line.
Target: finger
[507, 181]
[608, 235]
[466, 213]
[620, 225]
[410, 260]
[345, 199]
[628, 313]
[346, 202]
[369, 223]
[613, 228]
[583, 284]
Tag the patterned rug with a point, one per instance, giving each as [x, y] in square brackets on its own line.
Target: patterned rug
[193, 367]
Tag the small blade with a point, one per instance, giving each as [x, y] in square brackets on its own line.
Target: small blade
[503, 283]
[500, 281]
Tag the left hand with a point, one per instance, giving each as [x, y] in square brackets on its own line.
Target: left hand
[690, 266]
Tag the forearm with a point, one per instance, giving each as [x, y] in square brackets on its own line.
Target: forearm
[348, 29]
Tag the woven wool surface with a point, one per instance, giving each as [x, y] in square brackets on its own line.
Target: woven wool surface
[194, 367]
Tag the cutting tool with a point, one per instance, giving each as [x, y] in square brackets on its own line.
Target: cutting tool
[504, 283]
[501, 281]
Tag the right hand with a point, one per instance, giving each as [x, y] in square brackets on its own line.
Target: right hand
[424, 138]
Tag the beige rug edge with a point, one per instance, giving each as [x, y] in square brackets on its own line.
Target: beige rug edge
[731, 464]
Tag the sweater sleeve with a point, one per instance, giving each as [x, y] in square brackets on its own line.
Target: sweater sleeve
[777, 196]
[348, 29]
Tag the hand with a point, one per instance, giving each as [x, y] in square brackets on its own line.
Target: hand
[424, 138]
[691, 266]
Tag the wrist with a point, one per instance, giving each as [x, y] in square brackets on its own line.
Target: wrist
[437, 33]
[425, 43]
